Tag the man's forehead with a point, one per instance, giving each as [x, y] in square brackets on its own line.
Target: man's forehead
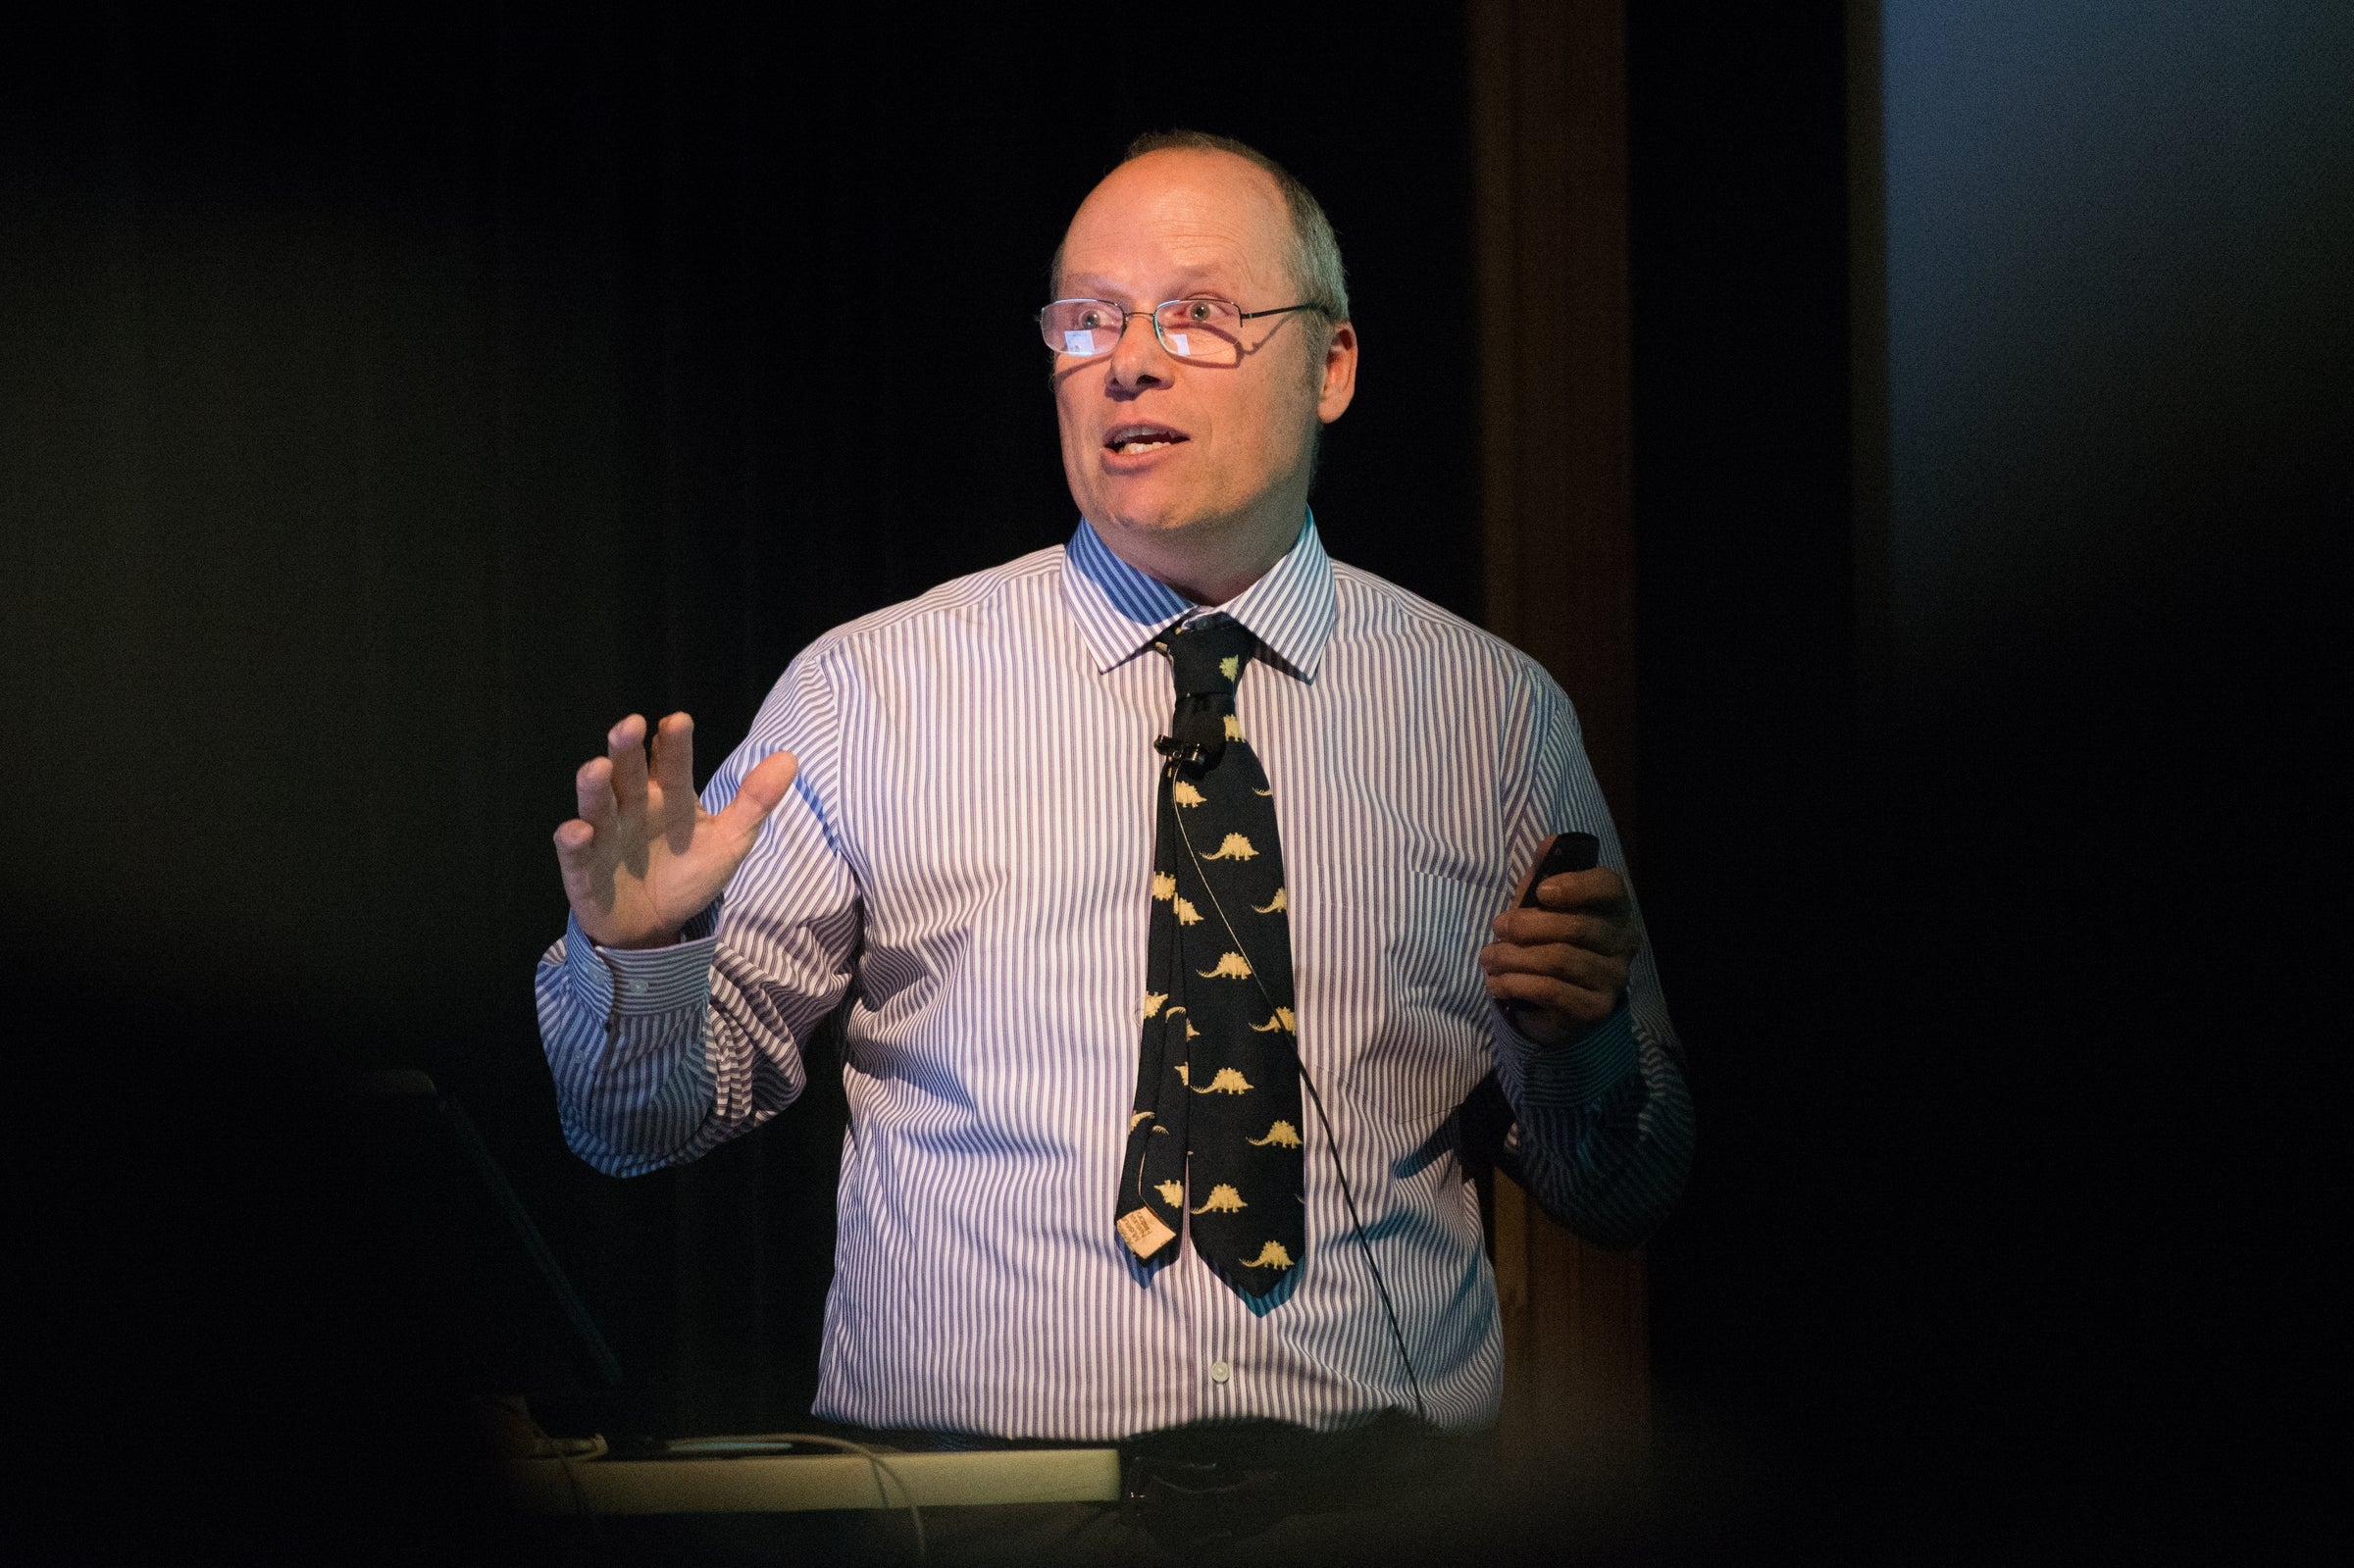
[1192, 218]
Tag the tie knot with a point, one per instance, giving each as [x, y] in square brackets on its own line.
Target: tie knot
[1208, 655]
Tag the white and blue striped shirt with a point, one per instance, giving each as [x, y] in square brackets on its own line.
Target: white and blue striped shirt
[967, 853]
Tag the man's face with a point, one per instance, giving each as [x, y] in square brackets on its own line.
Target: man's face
[1168, 452]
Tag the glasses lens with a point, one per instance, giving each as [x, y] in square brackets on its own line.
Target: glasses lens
[1080, 327]
[1205, 331]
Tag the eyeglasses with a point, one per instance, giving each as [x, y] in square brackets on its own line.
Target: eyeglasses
[1203, 331]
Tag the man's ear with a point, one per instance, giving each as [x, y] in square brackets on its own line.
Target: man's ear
[1338, 385]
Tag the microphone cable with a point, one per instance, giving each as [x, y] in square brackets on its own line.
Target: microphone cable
[1332, 1146]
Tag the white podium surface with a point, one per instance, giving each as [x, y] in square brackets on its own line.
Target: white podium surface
[790, 1483]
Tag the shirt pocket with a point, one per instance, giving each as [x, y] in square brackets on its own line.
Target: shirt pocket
[1386, 960]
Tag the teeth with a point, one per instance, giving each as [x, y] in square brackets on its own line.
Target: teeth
[1130, 448]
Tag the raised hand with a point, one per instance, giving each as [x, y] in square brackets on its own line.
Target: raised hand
[1564, 962]
[642, 858]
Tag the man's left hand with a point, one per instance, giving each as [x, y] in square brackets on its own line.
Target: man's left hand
[1564, 963]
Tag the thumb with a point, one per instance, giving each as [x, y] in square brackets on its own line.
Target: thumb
[767, 784]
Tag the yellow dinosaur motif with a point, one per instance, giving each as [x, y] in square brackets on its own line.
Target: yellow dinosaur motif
[1184, 1072]
[1230, 666]
[1270, 1256]
[1139, 1117]
[1228, 1082]
[1234, 727]
[1283, 1135]
[1236, 847]
[1222, 1199]
[1230, 965]
[1172, 1195]
[1185, 794]
[1152, 1001]
[1275, 906]
[1282, 1020]
[1187, 913]
[1164, 886]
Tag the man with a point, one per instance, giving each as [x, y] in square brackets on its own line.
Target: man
[955, 811]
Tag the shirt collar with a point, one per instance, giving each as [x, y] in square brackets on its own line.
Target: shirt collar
[1120, 609]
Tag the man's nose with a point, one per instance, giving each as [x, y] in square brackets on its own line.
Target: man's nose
[1138, 360]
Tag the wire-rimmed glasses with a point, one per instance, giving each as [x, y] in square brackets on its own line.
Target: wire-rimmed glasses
[1203, 329]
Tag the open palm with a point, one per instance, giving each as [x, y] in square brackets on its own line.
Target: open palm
[642, 858]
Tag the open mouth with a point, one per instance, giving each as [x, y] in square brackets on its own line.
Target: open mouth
[1130, 440]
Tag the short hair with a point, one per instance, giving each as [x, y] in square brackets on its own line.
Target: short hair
[1314, 261]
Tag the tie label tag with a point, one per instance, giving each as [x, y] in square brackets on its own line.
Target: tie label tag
[1145, 1232]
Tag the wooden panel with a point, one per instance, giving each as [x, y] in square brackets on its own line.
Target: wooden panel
[1548, 105]
[1550, 183]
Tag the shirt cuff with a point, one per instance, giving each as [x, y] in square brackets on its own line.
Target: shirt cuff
[1583, 1069]
[634, 982]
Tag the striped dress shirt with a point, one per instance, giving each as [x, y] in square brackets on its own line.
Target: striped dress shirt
[966, 854]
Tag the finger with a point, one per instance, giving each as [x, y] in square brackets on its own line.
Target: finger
[592, 791]
[1574, 966]
[1572, 1004]
[1601, 934]
[1601, 890]
[674, 757]
[576, 859]
[625, 749]
[1577, 965]
[767, 784]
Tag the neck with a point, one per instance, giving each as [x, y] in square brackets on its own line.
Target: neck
[1205, 564]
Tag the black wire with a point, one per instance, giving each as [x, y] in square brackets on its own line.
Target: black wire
[1332, 1146]
[1380, 1285]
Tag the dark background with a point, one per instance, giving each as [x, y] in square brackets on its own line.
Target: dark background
[390, 399]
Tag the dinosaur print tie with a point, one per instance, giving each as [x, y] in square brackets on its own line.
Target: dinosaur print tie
[1214, 1134]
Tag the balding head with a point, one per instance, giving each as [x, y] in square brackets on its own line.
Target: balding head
[1312, 253]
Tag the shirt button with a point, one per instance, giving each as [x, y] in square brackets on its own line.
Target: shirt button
[636, 988]
[1219, 1372]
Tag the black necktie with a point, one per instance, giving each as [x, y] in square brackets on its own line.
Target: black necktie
[1214, 1136]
